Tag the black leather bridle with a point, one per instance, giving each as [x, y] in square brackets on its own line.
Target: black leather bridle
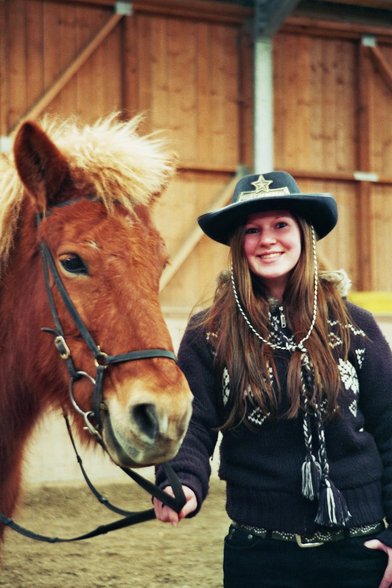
[102, 361]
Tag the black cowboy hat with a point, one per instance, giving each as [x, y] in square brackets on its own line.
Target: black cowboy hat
[270, 191]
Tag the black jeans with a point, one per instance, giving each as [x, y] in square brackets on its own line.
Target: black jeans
[252, 562]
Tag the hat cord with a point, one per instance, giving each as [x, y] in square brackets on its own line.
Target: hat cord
[289, 346]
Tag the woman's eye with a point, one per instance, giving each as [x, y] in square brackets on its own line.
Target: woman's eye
[250, 231]
[74, 264]
[281, 224]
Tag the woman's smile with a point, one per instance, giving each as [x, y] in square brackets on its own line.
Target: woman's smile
[269, 255]
[272, 245]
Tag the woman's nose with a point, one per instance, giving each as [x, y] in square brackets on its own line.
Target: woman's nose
[267, 237]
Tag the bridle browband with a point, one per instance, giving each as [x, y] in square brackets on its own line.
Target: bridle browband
[102, 362]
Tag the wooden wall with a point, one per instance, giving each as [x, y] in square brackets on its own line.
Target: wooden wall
[187, 64]
[333, 105]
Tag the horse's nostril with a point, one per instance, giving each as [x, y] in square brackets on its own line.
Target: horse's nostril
[146, 419]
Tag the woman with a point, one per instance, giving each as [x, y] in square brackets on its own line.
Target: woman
[299, 382]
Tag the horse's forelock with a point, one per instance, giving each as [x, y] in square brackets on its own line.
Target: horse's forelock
[122, 165]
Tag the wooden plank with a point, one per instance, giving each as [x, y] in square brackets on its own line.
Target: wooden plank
[203, 106]
[338, 248]
[91, 78]
[345, 57]
[314, 118]
[145, 44]
[194, 237]
[381, 64]
[111, 73]
[16, 61]
[328, 109]
[66, 101]
[245, 75]
[224, 95]
[181, 98]
[130, 69]
[206, 166]
[161, 99]
[34, 41]
[294, 142]
[72, 69]
[51, 56]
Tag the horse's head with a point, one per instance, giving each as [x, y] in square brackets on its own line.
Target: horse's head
[92, 192]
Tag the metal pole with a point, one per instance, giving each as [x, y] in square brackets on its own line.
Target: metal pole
[263, 105]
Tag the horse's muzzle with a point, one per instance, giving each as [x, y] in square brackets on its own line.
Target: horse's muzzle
[148, 432]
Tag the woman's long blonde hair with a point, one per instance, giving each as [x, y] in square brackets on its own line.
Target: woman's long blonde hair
[249, 361]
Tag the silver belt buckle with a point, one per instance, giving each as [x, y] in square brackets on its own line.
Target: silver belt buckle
[298, 540]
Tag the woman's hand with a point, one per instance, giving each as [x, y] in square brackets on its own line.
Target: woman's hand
[168, 515]
[386, 582]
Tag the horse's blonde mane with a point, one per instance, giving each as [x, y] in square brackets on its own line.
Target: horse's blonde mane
[122, 166]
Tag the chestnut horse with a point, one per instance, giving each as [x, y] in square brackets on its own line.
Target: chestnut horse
[76, 229]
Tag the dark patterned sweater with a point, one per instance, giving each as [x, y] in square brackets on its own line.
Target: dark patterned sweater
[262, 465]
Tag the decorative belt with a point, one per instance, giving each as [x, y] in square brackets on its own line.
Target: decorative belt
[317, 539]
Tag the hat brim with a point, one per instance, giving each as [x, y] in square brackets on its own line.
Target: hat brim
[320, 210]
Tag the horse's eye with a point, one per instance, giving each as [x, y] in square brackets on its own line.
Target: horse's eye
[74, 264]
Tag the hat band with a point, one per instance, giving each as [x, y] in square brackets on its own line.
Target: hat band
[255, 194]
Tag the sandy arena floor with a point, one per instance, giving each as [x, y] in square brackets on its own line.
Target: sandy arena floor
[149, 555]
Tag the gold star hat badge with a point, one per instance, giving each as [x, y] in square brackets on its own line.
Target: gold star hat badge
[269, 191]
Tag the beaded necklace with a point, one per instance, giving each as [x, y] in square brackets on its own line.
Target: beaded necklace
[288, 346]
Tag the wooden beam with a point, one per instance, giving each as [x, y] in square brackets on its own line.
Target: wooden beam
[195, 236]
[37, 108]
[381, 65]
[349, 177]
[335, 29]
[206, 167]
[200, 9]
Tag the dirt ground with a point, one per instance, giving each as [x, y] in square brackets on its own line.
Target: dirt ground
[149, 555]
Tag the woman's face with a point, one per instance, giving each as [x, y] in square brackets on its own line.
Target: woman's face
[272, 245]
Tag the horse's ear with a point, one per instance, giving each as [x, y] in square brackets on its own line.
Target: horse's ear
[41, 166]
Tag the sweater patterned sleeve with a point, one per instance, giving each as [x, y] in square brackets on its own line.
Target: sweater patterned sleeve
[375, 401]
[192, 463]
